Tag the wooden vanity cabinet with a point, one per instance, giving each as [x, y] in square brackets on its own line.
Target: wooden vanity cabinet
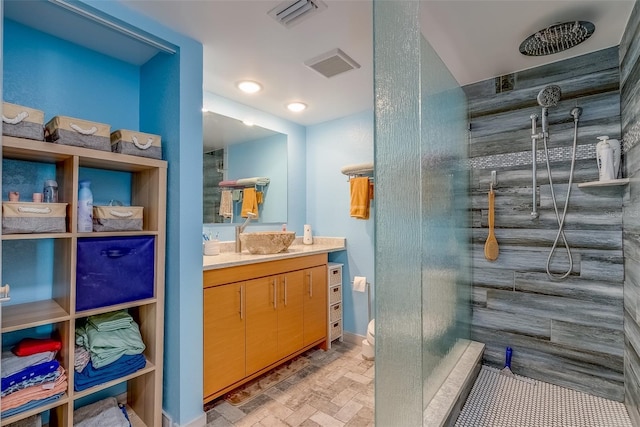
[260, 315]
[315, 304]
[224, 331]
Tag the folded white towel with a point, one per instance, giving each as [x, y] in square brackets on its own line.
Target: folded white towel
[256, 180]
[358, 169]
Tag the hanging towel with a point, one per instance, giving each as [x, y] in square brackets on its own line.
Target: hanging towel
[226, 205]
[236, 195]
[260, 197]
[249, 202]
[359, 197]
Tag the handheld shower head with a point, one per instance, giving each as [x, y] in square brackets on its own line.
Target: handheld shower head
[549, 96]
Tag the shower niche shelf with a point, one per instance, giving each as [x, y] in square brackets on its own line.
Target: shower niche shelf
[611, 183]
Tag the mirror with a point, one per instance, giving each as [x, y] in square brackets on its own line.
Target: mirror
[233, 150]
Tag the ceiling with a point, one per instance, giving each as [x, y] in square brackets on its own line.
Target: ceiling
[477, 39]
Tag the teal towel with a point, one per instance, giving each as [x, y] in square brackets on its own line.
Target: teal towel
[111, 321]
[107, 347]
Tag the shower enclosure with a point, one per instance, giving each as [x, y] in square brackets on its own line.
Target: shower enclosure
[422, 225]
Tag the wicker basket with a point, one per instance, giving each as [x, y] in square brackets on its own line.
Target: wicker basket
[335, 294]
[335, 312]
[335, 275]
[336, 330]
[117, 218]
[136, 143]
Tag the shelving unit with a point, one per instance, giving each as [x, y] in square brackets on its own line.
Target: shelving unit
[334, 282]
[148, 189]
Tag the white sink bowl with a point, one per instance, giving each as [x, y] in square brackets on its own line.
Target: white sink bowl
[267, 242]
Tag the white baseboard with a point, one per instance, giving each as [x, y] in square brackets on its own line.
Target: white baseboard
[352, 338]
[201, 421]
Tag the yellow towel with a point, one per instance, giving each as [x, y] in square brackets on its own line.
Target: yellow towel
[249, 202]
[359, 197]
[259, 196]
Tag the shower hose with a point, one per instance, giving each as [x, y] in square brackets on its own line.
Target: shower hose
[561, 219]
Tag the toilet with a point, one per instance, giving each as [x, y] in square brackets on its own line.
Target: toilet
[368, 344]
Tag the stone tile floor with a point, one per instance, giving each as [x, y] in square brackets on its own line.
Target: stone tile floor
[336, 389]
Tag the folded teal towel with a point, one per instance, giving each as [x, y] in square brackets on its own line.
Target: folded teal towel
[111, 321]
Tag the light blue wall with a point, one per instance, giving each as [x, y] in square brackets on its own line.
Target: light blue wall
[296, 152]
[330, 146]
[64, 83]
[174, 86]
[265, 157]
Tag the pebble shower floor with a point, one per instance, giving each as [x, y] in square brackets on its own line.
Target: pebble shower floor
[498, 400]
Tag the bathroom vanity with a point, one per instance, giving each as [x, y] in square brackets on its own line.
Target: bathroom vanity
[262, 310]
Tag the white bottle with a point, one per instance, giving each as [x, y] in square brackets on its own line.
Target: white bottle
[604, 154]
[85, 207]
[307, 239]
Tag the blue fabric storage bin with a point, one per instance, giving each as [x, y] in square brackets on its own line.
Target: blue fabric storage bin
[114, 270]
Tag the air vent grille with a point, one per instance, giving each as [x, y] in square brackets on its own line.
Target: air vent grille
[332, 63]
[292, 12]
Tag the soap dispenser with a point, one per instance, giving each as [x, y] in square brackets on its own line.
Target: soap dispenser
[605, 158]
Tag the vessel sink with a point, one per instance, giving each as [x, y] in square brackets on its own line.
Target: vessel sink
[267, 242]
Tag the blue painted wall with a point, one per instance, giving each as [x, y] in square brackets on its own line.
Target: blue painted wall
[330, 146]
[163, 96]
[266, 157]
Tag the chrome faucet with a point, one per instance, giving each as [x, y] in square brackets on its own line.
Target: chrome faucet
[240, 229]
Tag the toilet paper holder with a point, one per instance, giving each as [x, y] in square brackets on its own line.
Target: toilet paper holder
[368, 286]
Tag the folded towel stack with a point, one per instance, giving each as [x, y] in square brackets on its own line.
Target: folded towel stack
[227, 183]
[256, 180]
[358, 169]
[33, 379]
[115, 347]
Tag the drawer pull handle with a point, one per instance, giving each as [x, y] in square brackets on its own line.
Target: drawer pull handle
[241, 303]
[17, 119]
[310, 284]
[78, 129]
[275, 306]
[142, 146]
[285, 291]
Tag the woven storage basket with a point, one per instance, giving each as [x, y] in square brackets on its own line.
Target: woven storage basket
[78, 132]
[335, 275]
[335, 294]
[22, 122]
[26, 217]
[336, 329]
[335, 312]
[117, 218]
[136, 143]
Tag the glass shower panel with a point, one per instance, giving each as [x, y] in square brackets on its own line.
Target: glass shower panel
[422, 228]
[446, 266]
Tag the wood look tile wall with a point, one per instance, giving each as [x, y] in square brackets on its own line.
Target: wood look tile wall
[629, 54]
[567, 332]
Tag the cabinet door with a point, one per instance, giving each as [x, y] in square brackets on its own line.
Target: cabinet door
[290, 311]
[224, 330]
[315, 304]
[262, 323]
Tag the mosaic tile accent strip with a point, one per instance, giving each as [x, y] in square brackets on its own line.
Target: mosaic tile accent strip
[498, 400]
[585, 151]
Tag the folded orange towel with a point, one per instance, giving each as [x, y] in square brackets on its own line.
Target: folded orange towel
[359, 197]
[249, 202]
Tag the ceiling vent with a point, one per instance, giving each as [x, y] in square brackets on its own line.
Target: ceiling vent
[332, 63]
[292, 12]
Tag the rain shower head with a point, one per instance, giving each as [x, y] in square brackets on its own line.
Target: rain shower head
[557, 38]
[549, 96]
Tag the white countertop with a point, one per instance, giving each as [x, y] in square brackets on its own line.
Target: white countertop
[228, 258]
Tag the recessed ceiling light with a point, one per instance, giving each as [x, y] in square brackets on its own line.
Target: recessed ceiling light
[296, 107]
[247, 122]
[249, 86]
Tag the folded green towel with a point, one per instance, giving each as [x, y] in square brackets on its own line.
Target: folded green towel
[111, 321]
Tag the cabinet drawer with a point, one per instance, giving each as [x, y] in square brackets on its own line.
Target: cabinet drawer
[335, 275]
[335, 294]
[335, 329]
[114, 270]
[335, 312]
